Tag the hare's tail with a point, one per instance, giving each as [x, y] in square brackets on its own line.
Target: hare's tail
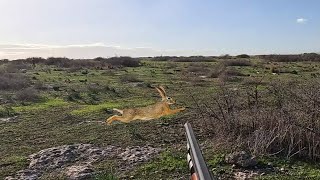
[118, 110]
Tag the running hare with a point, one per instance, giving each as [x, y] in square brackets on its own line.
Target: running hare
[149, 112]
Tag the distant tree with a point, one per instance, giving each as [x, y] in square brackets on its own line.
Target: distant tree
[243, 56]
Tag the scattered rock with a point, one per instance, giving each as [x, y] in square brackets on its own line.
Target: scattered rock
[245, 175]
[79, 172]
[26, 174]
[75, 161]
[136, 155]
[23, 70]
[136, 84]
[242, 159]
[9, 119]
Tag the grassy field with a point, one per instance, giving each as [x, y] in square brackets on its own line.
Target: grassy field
[72, 103]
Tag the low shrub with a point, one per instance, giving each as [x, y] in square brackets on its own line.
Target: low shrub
[243, 56]
[198, 68]
[74, 96]
[233, 72]
[217, 71]
[291, 57]
[13, 81]
[237, 62]
[282, 119]
[28, 95]
[124, 61]
[6, 111]
[17, 66]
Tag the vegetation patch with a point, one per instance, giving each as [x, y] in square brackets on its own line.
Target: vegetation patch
[7, 111]
[41, 106]
[264, 113]
[166, 165]
[108, 106]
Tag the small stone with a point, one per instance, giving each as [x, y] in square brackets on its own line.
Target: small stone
[242, 159]
[79, 172]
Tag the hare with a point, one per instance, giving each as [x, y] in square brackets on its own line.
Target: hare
[154, 111]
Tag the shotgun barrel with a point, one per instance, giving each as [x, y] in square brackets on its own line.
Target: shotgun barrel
[197, 165]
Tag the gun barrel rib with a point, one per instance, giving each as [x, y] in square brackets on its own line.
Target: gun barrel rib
[198, 162]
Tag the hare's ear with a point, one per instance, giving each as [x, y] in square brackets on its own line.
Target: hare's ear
[162, 94]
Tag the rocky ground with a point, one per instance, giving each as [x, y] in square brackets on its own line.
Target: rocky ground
[75, 161]
[9, 119]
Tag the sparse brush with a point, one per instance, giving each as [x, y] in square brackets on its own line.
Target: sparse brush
[198, 68]
[13, 81]
[237, 62]
[28, 95]
[282, 119]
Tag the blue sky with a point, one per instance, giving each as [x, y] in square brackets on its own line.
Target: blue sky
[90, 28]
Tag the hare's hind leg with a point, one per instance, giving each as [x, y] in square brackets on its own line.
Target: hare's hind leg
[119, 118]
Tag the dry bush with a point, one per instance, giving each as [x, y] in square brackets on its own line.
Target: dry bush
[233, 72]
[237, 62]
[17, 66]
[217, 70]
[162, 58]
[198, 68]
[28, 95]
[124, 61]
[60, 62]
[283, 119]
[172, 65]
[13, 81]
[40, 86]
[4, 61]
[74, 69]
[184, 59]
[243, 56]
[194, 59]
[254, 82]
[225, 73]
[292, 58]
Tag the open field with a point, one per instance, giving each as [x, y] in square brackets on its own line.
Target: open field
[267, 108]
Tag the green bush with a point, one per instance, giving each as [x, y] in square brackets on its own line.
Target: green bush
[6, 111]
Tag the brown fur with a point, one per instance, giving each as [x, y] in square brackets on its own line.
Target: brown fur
[150, 112]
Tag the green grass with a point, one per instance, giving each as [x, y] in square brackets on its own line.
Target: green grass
[167, 165]
[50, 103]
[105, 176]
[89, 109]
[293, 169]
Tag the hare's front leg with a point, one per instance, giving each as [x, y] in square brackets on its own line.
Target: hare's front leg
[111, 119]
[174, 111]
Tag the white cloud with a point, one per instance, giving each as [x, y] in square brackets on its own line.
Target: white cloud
[301, 20]
[16, 51]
